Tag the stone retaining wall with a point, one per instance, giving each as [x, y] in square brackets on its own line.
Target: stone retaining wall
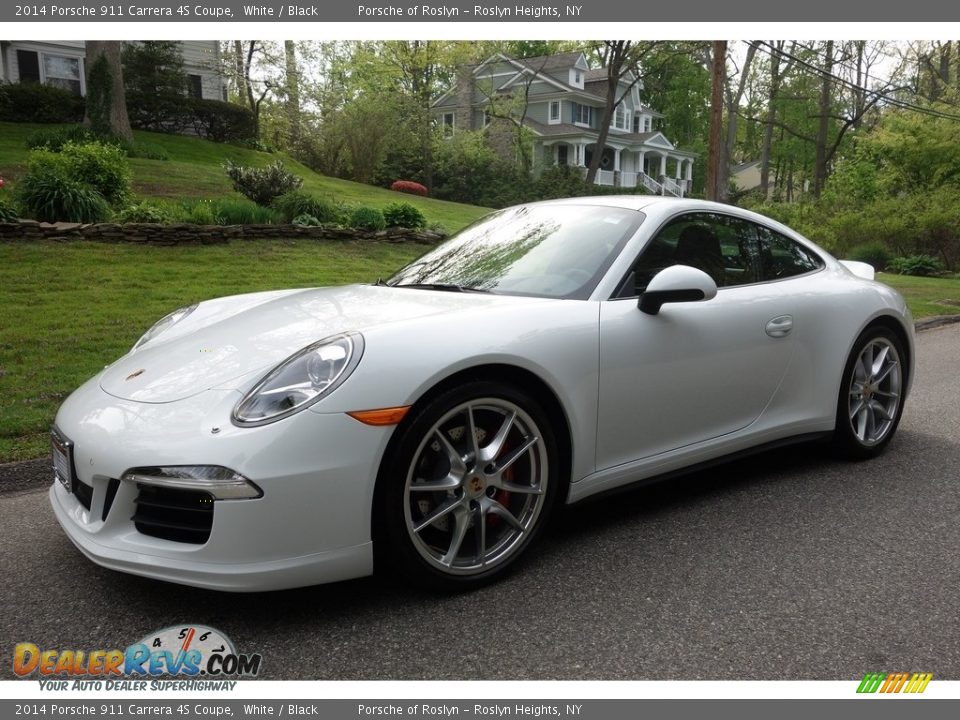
[186, 234]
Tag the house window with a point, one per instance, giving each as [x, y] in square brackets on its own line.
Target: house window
[195, 86]
[620, 116]
[636, 123]
[647, 124]
[62, 72]
[554, 111]
[578, 77]
[448, 123]
[487, 118]
[582, 114]
[29, 64]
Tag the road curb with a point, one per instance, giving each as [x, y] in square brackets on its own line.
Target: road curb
[935, 322]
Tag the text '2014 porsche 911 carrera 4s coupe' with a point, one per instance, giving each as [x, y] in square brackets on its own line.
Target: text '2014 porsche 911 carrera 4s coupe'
[431, 423]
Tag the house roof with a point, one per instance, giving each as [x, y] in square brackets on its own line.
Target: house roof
[595, 75]
[744, 166]
[547, 63]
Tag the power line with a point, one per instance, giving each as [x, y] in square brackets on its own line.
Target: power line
[895, 102]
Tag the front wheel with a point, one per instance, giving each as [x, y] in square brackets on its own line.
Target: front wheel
[871, 394]
[468, 487]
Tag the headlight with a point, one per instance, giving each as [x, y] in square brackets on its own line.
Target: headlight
[300, 380]
[163, 324]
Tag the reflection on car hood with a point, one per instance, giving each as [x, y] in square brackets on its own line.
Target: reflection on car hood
[228, 342]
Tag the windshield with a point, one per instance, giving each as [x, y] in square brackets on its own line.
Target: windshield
[556, 251]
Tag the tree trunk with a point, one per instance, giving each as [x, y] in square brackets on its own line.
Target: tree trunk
[238, 68]
[617, 52]
[820, 173]
[717, 74]
[767, 142]
[733, 108]
[293, 93]
[111, 95]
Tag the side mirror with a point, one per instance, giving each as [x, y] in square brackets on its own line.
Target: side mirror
[677, 283]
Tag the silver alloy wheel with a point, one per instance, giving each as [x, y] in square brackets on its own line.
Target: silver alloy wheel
[476, 486]
[874, 391]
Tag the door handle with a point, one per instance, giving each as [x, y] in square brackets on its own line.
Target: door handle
[780, 326]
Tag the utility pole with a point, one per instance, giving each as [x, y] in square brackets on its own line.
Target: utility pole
[718, 73]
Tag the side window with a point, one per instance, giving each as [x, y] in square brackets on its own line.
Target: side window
[723, 247]
[781, 257]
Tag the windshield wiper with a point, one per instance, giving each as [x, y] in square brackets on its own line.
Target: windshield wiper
[447, 287]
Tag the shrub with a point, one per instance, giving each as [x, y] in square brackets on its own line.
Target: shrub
[922, 265]
[297, 202]
[103, 167]
[53, 139]
[410, 187]
[367, 218]
[144, 212]
[220, 121]
[33, 102]
[875, 254]
[201, 212]
[403, 214]
[49, 195]
[307, 220]
[239, 211]
[262, 185]
[7, 213]
[155, 84]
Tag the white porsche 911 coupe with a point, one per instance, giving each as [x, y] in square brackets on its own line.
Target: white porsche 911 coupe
[430, 423]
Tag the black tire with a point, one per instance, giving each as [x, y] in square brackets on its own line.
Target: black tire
[864, 434]
[496, 511]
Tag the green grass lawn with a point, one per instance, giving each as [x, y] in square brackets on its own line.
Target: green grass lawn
[194, 171]
[68, 309]
[926, 297]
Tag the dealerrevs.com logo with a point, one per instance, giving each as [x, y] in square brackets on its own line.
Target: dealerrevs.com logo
[202, 656]
[901, 682]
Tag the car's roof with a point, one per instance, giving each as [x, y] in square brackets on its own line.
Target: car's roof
[639, 202]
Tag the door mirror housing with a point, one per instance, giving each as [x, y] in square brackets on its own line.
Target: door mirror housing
[677, 283]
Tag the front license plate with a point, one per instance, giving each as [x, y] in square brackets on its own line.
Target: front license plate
[62, 459]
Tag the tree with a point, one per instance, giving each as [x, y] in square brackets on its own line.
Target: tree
[622, 61]
[292, 88]
[155, 84]
[715, 156]
[106, 101]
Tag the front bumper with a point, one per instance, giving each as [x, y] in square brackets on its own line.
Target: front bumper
[312, 525]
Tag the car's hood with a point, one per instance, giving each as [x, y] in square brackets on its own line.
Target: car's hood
[227, 342]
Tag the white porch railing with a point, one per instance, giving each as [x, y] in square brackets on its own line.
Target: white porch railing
[650, 184]
[604, 177]
[628, 179]
[672, 187]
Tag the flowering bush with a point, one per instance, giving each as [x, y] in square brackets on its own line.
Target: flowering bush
[410, 187]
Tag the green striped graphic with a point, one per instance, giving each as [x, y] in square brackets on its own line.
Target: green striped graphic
[871, 682]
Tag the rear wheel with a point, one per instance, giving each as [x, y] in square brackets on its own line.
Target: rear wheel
[871, 395]
[469, 487]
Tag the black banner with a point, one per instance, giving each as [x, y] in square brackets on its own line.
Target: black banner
[392, 11]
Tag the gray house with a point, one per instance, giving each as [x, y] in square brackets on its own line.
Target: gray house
[560, 99]
[61, 63]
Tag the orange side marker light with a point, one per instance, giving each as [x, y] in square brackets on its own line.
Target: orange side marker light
[383, 416]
